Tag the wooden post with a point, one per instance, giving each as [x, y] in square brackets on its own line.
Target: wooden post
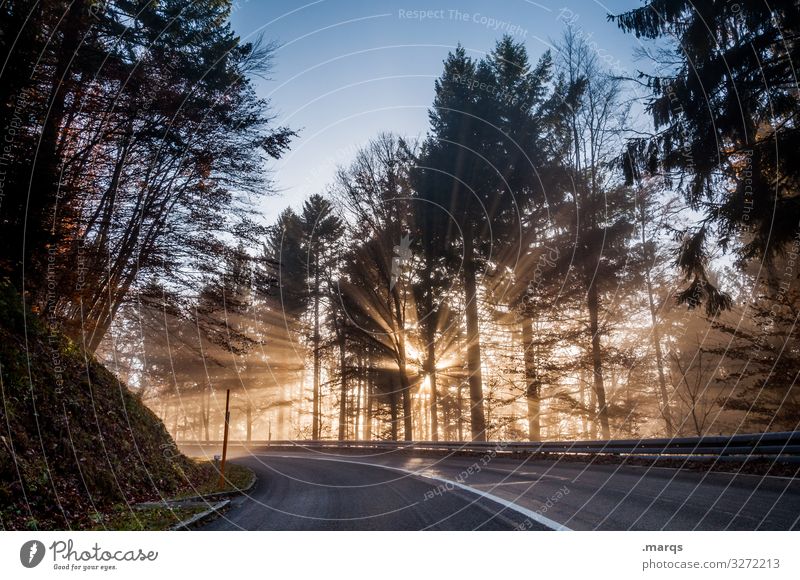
[221, 484]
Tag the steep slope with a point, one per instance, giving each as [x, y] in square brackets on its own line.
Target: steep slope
[74, 441]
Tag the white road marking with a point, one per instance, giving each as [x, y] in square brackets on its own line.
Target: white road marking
[530, 514]
[525, 482]
[528, 473]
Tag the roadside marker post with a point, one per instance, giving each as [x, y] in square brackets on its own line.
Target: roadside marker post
[221, 484]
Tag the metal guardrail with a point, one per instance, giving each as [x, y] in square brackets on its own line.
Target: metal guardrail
[769, 445]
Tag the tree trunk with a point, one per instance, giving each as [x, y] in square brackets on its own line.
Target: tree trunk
[582, 394]
[199, 432]
[393, 410]
[368, 402]
[175, 422]
[478, 421]
[206, 414]
[532, 384]
[282, 430]
[405, 384]
[592, 407]
[343, 392]
[460, 416]
[593, 301]
[430, 322]
[408, 423]
[45, 179]
[662, 380]
[315, 435]
[431, 362]
[357, 415]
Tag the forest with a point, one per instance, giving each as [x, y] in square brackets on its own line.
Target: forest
[567, 253]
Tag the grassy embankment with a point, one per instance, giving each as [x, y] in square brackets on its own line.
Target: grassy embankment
[78, 449]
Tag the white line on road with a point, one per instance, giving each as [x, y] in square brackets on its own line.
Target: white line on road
[530, 514]
[528, 473]
[492, 485]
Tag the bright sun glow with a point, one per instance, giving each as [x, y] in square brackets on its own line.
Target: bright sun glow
[412, 354]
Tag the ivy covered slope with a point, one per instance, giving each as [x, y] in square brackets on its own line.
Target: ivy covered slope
[74, 441]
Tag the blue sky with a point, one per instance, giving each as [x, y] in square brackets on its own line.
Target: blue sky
[346, 70]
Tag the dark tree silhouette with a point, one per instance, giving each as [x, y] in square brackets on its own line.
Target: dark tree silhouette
[726, 119]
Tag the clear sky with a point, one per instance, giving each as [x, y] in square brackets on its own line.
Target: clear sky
[346, 69]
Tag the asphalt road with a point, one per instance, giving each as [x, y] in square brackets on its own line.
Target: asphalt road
[310, 493]
[393, 491]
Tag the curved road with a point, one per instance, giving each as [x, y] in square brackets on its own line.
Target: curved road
[395, 491]
[311, 493]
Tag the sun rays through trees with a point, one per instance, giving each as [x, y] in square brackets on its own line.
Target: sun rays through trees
[558, 256]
